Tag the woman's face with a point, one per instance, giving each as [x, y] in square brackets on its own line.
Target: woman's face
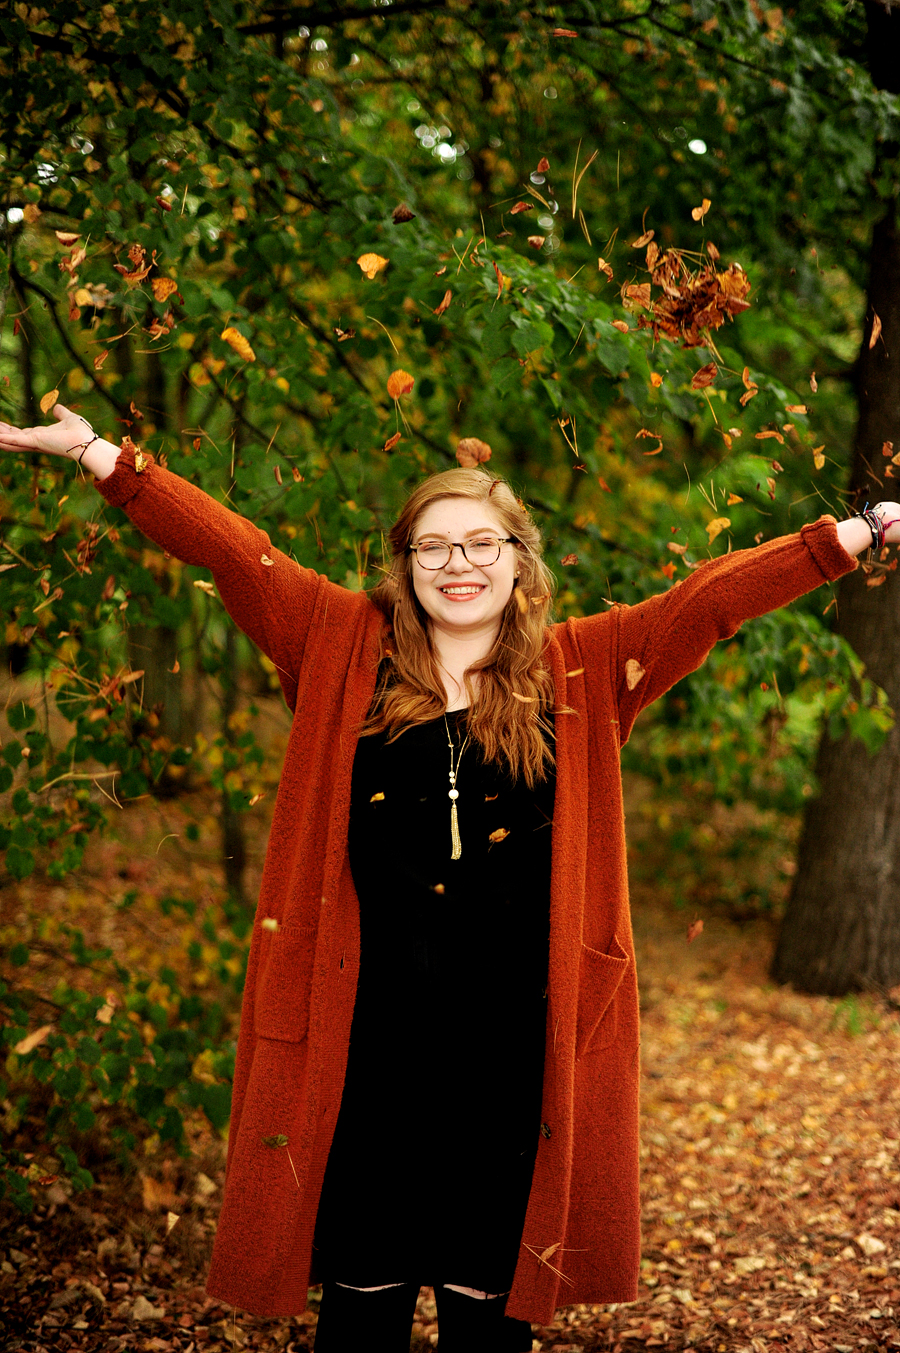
[461, 598]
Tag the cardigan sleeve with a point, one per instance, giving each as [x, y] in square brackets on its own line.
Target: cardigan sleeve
[267, 593]
[658, 641]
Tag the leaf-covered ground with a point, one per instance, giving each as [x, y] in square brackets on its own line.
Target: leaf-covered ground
[771, 1175]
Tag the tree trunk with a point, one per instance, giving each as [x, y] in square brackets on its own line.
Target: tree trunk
[841, 931]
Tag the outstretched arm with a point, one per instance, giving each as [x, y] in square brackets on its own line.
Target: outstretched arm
[268, 594]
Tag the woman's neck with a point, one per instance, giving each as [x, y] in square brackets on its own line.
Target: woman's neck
[455, 655]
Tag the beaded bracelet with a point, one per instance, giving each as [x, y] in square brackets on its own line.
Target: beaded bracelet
[875, 525]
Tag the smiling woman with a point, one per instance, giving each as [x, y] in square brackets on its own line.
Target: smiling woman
[444, 903]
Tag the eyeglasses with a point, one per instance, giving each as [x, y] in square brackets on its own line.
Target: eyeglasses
[482, 551]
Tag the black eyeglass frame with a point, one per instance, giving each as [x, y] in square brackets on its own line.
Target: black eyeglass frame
[451, 545]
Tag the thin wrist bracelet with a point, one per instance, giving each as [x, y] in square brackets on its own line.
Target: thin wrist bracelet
[875, 525]
[96, 438]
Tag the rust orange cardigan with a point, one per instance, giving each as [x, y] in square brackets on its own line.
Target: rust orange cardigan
[583, 1213]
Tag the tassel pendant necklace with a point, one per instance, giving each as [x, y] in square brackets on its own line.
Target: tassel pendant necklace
[453, 793]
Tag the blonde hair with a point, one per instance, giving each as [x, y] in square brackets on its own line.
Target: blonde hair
[515, 689]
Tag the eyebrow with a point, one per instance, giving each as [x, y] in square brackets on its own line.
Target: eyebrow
[479, 531]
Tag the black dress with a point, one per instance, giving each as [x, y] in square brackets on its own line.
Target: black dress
[430, 1169]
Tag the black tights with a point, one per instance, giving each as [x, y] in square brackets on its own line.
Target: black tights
[381, 1321]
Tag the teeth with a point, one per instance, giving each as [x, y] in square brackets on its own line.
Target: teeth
[461, 591]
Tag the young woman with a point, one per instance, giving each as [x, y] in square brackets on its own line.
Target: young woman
[440, 1014]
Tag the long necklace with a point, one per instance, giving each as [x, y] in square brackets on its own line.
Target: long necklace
[453, 794]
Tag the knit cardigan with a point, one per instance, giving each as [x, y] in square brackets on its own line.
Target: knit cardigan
[581, 1238]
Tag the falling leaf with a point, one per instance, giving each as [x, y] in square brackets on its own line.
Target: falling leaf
[676, 548]
[795, 408]
[656, 379]
[569, 560]
[298, 477]
[66, 238]
[401, 214]
[748, 395]
[716, 527]
[238, 342]
[576, 671]
[471, 451]
[818, 457]
[767, 434]
[694, 929]
[440, 272]
[634, 673]
[643, 239]
[603, 484]
[712, 251]
[536, 241]
[254, 800]
[391, 442]
[377, 798]
[269, 923]
[171, 1219]
[564, 33]
[876, 330]
[733, 498]
[205, 586]
[107, 1010]
[32, 1040]
[164, 203]
[264, 559]
[639, 293]
[100, 359]
[49, 400]
[439, 309]
[499, 835]
[698, 213]
[279, 1140]
[525, 699]
[705, 376]
[620, 325]
[669, 569]
[400, 383]
[277, 473]
[543, 165]
[343, 335]
[813, 383]
[163, 287]
[521, 206]
[372, 264]
[876, 579]
[521, 601]
[603, 266]
[499, 281]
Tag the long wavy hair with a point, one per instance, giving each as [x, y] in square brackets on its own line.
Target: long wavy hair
[509, 702]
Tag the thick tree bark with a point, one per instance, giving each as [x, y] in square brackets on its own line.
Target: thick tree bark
[841, 931]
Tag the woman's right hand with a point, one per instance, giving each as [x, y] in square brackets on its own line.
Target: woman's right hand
[70, 436]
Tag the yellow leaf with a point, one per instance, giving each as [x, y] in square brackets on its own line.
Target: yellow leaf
[205, 586]
[239, 343]
[163, 287]
[716, 527]
[698, 213]
[656, 379]
[171, 1219]
[818, 457]
[49, 399]
[377, 798]
[795, 408]
[733, 498]
[372, 264]
[634, 673]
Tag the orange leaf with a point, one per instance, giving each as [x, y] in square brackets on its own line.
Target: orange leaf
[448, 296]
[639, 294]
[277, 472]
[163, 288]
[543, 165]
[470, 452]
[795, 408]
[391, 442]
[298, 477]
[669, 569]
[733, 498]
[49, 400]
[643, 239]
[674, 546]
[745, 398]
[694, 929]
[400, 383]
[499, 835]
[876, 329]
[634, 673]
[372, 264]
[656, 379]
[238, 342]
[749, 384]
[499, 281]
[705, 376]
[764, 436]
[521, 206]
[620, 325]
[569, 560]
[698, 213]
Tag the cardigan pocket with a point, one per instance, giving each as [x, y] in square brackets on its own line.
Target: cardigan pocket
[598, 1012]
[283, 986]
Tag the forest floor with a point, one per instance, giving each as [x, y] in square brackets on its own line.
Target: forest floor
[771, 1128]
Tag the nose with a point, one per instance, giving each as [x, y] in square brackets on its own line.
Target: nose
[457, 563]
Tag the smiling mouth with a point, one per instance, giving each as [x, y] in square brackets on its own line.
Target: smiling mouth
[463, 590]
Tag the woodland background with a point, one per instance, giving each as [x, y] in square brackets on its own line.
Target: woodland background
[185, 195]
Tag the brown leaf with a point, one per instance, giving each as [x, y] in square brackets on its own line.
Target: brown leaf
[445, 302]
[343, 335]
[401, 214]
[543, 165]
[499, 835]
[698, 213]
[639, 293]
[569, 560]
[156, 1193]
[620, 325]
[674, 546]
[277, 473]
[471, 451]
[66, 238]
[164, 203]
[765, 436]
[749, 383]
[100, 359]
[643, 239]
[705, 376]
[163, 287]
[372, 264]
[238, 342]
[813, 383]
[499, 281]
[399, 383]
[298, 477]
[712, 251]
[694, 929]
[536, 241]
[795, 408]
[603, 266]
[748, 395]
[876, 329]
[48, 400]
[634, 673]
[564, 33]
[521, 206]
[391, 442]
